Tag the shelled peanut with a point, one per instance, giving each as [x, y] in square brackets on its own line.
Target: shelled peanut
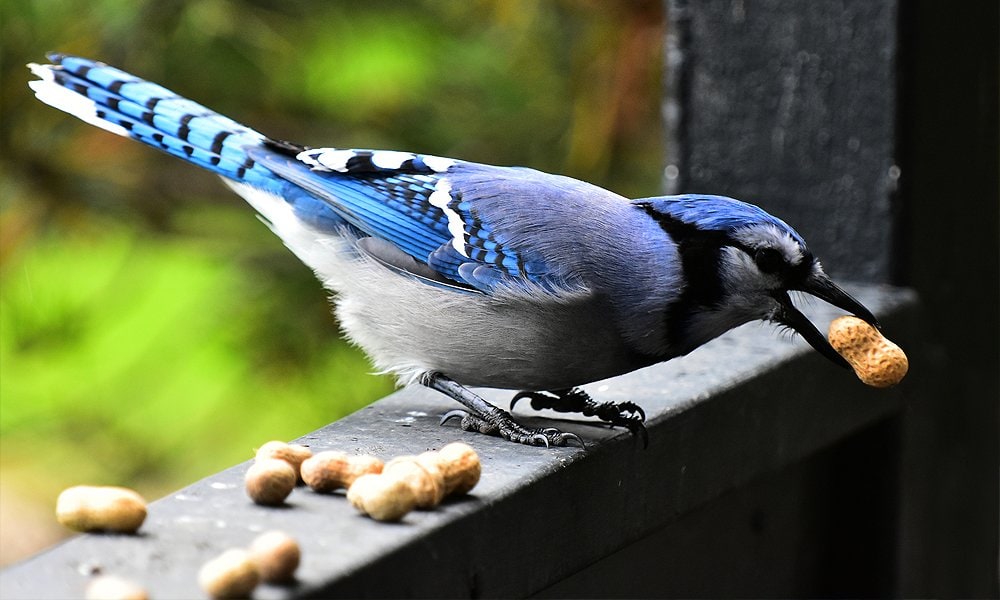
[331, 470]
[276, 555]
[422, 481]
[110, 587]
[272, 557]
[270, 480]
[461, 467]
[101, 508]
[293, 454]
[232, 574]
[275, 472]
[381, 497]
[424, 477]
[876, 361]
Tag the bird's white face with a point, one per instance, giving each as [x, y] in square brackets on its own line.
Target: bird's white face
[748, 296]
[763, 261]
[758, 270]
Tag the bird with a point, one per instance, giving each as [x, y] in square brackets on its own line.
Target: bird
[454, 274]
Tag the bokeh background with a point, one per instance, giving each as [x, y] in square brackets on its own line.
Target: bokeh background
[152, 330]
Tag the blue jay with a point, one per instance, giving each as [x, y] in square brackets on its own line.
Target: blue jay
[452, 274]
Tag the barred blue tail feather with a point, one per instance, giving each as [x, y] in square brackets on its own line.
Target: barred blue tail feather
[126, 105]
[451, 273]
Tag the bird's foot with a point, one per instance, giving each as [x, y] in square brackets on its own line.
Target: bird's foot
[623, 414]
[503, 425]
[483, 417]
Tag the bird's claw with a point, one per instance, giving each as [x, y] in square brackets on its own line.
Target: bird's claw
[539, 439]
[504, 426]
[531, 395]
[638, 429]
[624, 414]
[628, 406]
[452, 414]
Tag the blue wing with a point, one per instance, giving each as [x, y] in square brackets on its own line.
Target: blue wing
[449, 221]
[436, 210]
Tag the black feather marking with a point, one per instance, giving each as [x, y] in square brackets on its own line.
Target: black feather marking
[158, 138]
[113, 103]
[218, 140]
[243, 168]
[522, 267]
[147, 118]
[700, 253]
[188, 149]
[116, 86]
[184, 131]
[152, 102]
[360, 162]
[286, 148]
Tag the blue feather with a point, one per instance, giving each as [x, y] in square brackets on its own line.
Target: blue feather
[716, 213]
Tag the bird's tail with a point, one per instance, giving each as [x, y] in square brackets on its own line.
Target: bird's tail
[132, 107]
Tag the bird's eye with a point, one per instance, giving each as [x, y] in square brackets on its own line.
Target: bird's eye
[769, 260]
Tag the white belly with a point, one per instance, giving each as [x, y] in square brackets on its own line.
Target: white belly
[407, 327]
[539, 342]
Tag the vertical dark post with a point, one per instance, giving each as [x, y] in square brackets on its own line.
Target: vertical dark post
[791, 106]
[871, 127]
[949, 253]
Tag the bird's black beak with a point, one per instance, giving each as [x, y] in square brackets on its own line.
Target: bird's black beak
[821, 286]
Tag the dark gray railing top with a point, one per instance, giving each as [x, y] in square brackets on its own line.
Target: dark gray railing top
[745, 404]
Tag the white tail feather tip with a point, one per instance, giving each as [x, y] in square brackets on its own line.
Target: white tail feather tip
[66, 100]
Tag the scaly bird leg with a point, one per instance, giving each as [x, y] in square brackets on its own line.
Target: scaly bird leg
[485, 418]
[625, 414]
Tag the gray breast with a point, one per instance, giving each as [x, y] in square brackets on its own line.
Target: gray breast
[538, 341]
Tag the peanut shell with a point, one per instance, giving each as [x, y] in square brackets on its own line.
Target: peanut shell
[232, 574]
[269, 481]
[876, 360]
[293, 454]
[424, 477]
[276, 555]
[382, 498]
[109, 587]
[101, 508]
[331, 470]
[461, 467]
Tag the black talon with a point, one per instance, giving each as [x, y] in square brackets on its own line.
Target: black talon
[517, 397]
[639, 430]
[539, 437]
[485, 418]
[630, 407]
[451, 414]
[572, 436]
[538, 399]
[624, 414]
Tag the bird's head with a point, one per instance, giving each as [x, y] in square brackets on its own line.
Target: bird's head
[739, 264]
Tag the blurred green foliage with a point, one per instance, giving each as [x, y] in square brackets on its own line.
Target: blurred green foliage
[151, 330]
